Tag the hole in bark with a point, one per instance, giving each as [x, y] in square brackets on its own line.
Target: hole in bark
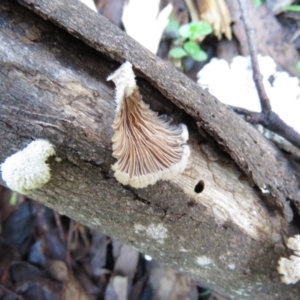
[199, 187]
[191, 203]
[202, 141]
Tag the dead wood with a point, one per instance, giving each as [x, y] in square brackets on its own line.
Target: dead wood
[266, 117]
[53, 86]
[227, 129]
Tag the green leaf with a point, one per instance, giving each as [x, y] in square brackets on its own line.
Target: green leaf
[195, 51]
[258, 2]
[177, 53]
[191, 47]
[194, 30]
[200, 56]
[298, 66]
[295, 8]
[13, 199]
[184, 31]
[200, 28]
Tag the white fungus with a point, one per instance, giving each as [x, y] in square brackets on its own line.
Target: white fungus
[233, 84]
[203, 261]
[289, 268]
[27, 170]
[157, 232]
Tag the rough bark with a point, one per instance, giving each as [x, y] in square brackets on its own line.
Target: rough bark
[53, 86]
[231, 132]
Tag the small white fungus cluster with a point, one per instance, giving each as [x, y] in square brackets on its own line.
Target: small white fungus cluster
[27, 170]
[290, 267]
[233, 84]
[124, 79]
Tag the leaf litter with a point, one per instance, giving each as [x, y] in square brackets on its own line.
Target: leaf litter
[46, 256]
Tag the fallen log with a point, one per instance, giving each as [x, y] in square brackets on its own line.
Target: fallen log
[213, 221]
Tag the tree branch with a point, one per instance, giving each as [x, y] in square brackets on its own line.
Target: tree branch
[272, 122]
[221, 123]
[257, 77]
[266, 117]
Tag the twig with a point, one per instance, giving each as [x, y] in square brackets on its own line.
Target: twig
[257, 77]
[59, 226]
[273, 122]
[266, 117]
[69, 241]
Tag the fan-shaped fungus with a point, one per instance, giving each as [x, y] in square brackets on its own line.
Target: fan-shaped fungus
[147, 146]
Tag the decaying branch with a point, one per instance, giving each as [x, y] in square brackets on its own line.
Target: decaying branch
[226, 128]
[266, 117]
[53, 86]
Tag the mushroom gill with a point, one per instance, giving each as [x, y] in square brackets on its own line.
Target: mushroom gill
[147, 146]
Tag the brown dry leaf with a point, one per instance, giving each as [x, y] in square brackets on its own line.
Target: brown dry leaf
[33, 289]
[92, 287]
[194, 13]
[74, 291]
[117, 288]
[126, 265]
[98, 253]
[138, 288]
[72, 288]
[270, 36]
[216, 13]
